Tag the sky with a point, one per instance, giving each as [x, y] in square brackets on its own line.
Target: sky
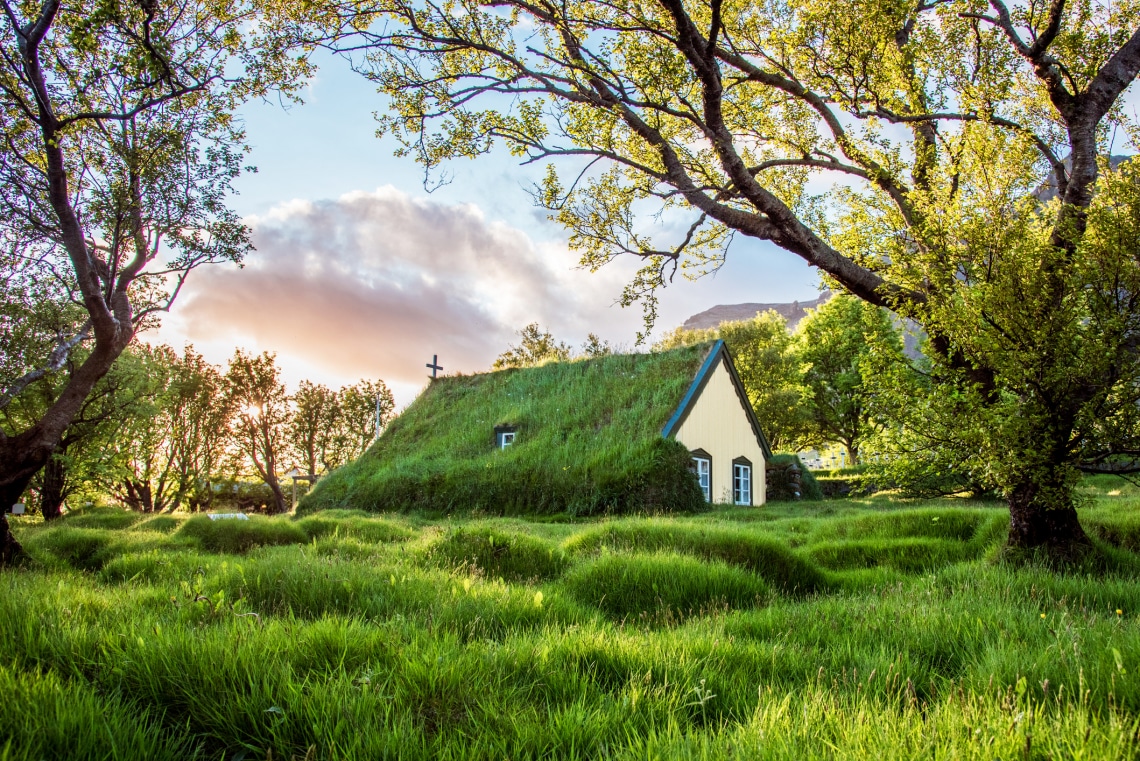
[360, 273]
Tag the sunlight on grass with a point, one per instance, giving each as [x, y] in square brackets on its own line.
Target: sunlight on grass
[847, 629]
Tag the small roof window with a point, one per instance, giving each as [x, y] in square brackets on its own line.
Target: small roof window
[505, 436]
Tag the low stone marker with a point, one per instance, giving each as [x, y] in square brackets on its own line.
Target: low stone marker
[229, 516]
[18, 508]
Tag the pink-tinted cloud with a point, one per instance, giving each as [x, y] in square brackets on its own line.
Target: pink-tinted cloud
[374, 284]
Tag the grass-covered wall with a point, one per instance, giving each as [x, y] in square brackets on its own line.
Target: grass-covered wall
[588, 440]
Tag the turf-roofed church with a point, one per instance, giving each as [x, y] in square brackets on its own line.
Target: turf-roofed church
[662, 431]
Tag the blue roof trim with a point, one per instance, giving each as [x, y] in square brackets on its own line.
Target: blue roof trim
[694, 389]
[698, 384]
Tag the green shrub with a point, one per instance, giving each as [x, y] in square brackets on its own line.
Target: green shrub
[499, 554]
[238, 536]
[780, 479]
[662, 585]
[768, 558]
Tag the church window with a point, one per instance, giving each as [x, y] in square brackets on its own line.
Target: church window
[741, 481]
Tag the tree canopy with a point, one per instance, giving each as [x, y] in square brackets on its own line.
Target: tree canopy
[119, 148]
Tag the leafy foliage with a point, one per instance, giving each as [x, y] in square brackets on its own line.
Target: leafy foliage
[535, 347]
[835, 343]
[120, 148]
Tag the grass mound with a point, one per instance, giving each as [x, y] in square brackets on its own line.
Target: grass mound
[237, 537]
[356, 525]
[768, 558]
[959, 525]
[638, 649]
[102, 517]
[1115, 525]
[913, 554]
[153, 566]
[163, 524]
[662, 586]
[588, 441]
[499, 554]
[84, 549]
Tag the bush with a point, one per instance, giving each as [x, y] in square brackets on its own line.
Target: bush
[784, 473]
[498, 554]
[662, 586]
[770, 559]
[237, 536]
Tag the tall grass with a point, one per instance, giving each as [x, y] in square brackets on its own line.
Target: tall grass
[406, 638]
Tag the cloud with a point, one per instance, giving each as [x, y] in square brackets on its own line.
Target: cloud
[374, 284]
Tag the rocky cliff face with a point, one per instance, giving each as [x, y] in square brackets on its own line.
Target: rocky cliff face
[793, 312]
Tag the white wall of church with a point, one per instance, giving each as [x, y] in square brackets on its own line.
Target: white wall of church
[718, 424]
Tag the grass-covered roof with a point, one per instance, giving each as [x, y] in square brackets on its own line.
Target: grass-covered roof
[588, 440]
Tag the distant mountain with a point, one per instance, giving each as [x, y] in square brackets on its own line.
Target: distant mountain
[793, 312]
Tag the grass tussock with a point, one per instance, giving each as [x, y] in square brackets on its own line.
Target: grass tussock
[51, 717]
[356, 526]
[102, 517]
[588, 441]
[764, 556]
[499, 554]
[236, 536]
[662, 586]
[858, 629]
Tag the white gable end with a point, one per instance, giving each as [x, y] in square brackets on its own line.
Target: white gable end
[718, 423]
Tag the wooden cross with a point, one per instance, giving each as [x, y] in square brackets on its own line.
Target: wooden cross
[434, 366]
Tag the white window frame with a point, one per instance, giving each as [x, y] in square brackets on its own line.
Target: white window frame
[506, 438]
[741, 483]
[704, 479]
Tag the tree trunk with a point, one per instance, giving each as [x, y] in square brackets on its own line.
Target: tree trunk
[281, 505]
[23, 455]
[51, 493]
[10, 549]
[1035, 524]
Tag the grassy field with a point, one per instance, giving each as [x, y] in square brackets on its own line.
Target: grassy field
[846, 630]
